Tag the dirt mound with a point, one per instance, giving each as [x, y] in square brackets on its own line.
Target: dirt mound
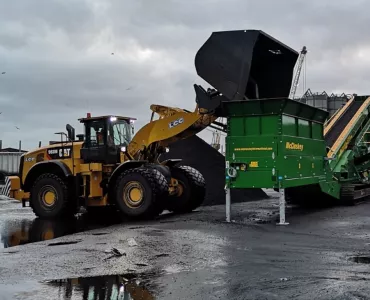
[196, 153]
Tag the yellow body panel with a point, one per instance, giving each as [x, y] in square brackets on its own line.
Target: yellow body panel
[19, 195]
[95, 180]
[86, 168]
[15, 189]
[15, 182]
[41, 154]
[75, 165]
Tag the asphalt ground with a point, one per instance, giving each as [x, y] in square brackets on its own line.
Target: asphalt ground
[322, 254]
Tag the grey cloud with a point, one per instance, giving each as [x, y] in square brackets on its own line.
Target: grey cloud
[29, 20]
[58, 62]
[71, 16]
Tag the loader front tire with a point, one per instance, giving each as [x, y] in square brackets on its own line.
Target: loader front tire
[141, 192]
[49, 197]
[191, 192]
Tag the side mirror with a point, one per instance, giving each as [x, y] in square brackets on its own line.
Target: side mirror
[71, 132]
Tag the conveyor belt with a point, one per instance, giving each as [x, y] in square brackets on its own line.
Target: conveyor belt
[336, 116]
[332, 135]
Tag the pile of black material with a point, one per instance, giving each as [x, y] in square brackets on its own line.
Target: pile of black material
[196, 153]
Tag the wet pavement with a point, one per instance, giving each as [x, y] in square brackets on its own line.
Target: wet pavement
[18, 226]
[322, 254]
[125, 287]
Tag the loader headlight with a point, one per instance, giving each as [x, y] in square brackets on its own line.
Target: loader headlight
[113, 119]
[123, 149]
[167, 149]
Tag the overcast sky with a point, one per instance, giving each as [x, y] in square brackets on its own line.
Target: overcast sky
[58, 62]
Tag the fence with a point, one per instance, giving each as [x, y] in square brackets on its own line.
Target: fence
[9, 162]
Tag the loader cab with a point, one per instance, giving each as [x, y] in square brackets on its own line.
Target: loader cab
[105, 138]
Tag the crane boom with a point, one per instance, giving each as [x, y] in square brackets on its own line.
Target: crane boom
[298, 72]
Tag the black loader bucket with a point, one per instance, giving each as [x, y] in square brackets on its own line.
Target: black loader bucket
[246, 64]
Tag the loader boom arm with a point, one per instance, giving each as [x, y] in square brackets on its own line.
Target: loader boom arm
[173, 124]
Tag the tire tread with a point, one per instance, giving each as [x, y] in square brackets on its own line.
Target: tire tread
[65, 210]
[158, 184]
[197, 187]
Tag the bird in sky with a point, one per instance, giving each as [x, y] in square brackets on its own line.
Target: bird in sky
[17, 127]
[3, 73]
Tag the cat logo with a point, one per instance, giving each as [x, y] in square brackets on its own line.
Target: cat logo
[60, 152]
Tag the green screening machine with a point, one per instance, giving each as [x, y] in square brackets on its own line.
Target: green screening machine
[273, 141]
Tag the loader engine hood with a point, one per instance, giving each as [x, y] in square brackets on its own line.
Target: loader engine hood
[246, 64]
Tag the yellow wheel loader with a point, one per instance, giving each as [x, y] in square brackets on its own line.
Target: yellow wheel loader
[109, 166]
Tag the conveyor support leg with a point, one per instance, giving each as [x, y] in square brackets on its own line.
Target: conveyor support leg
[228, 205]
[282, 204]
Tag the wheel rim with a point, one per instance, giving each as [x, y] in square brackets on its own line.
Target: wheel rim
[180, 188]
[48, 235]
[48, 196]
[133, 194]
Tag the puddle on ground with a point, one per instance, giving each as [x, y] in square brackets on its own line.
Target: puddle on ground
[360, 259]
[30, 231]
[125, 287]
[128, 286]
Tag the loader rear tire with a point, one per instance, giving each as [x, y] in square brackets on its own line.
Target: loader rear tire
[49, 197]
[141, 192]
[192, 190]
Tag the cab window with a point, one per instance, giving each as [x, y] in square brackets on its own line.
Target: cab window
[120, 134]
[97, 133]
